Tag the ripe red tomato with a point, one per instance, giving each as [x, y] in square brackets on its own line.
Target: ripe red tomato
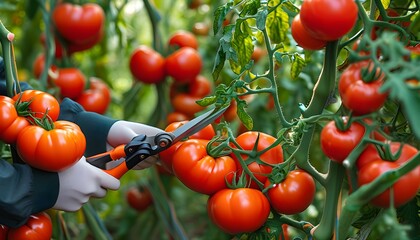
[328, 20]
[38, 226]
[199, 171]
[200, 86]
[147, 65]
[303, 38]
[51, 150]
[184, 64]
[404, 189]
[40, 103]
[166, 156]
[357, 95]
[176, 117]
[241, 210]
[79, 24]
[186, 104]
[182, 38]
[139, 198]
[337, 144]
[247, 141]
[4, 230]
[39, 65]
[294, 194]
[10, 122]
[97, 98]
[71, 82]
[258, 53]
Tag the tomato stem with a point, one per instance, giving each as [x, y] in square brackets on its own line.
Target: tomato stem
[6, 39]
[325, 228]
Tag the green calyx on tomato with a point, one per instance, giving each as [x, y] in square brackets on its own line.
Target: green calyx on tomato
[358, 95]
[337, 144]
[259, 164]
[371, 165]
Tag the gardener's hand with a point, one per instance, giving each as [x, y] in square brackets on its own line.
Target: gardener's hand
[80, 182]
[122, 132]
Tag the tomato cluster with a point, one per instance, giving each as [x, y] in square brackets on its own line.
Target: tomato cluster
[38, 226]
[359, 89]
[78, 28]
[183, 65]
[29, 120]
[217, 176]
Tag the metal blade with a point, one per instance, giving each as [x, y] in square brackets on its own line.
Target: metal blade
[197, 124]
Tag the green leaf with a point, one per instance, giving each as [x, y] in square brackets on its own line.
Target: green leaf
[220, 16]
[250, 8]
[204, 102]
[219, 63]
[298, 63]
[243, 46]
[291, 7]
[277, 24]
[243, 115]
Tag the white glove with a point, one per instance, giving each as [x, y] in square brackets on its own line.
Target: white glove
[80, 182]
[122, 132]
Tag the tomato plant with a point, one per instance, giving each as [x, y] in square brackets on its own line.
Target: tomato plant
[328, 20]
[184, 64]
[337, 144]
[260, 141]
[359, 94]
[292, 195]
[51, 150]
[71, 82]
[38, 226]
[239, 210]
[139, 198]
[147, 65]
[79, 24]
[303, 38]
[97, 98]
[199, 171]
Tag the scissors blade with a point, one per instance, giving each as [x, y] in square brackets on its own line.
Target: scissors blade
[197, 124]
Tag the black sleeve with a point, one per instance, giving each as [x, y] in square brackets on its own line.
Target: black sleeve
[24, 191]
[95, 126]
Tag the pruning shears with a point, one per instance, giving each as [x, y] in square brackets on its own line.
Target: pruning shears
[142, 146]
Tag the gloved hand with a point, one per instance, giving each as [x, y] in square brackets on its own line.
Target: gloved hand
[122, 132]
[80, 182]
